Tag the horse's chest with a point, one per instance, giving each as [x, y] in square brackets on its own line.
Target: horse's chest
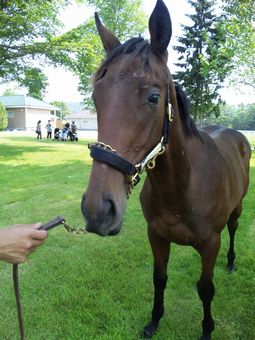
[186, 229]
[174, 229]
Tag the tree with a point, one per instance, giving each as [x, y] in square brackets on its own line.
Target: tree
[238, 24]
[3, 117]
[124, 18]
[203, 60]
[240, 117]
[28, 40]
[64, 109]
[35, 81]
[9, 92]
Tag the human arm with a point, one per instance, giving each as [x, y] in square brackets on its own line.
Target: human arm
[18, 241]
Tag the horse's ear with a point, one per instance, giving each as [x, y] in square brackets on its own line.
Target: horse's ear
[108, 39]
[160, 28]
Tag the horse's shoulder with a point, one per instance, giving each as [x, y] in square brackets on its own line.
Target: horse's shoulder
[221, 132]
[226, 138]
[232, 149]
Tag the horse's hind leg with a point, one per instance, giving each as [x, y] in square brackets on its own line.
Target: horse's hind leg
[205, 287]
[232, 226]
[160, 249]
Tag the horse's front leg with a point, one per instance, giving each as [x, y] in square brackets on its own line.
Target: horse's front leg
[205, 286]
[160, 249]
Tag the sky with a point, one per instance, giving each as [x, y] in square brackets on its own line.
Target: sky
[63, 84]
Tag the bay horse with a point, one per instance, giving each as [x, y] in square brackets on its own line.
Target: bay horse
[196, 179]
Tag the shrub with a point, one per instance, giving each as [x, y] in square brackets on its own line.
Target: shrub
[3, 117]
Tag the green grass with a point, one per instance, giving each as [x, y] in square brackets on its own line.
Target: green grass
[86, 287]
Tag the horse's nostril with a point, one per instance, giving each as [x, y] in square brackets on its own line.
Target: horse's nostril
[83, 208]
[109, 211]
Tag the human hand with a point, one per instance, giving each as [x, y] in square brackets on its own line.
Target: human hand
[20, 240]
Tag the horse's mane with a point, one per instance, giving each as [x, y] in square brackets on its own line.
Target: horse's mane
[185, 110]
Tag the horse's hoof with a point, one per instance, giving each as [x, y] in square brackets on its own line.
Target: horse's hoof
[149, 330]
[205, 337]
[231, 268]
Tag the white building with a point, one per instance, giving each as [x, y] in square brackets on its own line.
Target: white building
[24, 112]
[84, 120]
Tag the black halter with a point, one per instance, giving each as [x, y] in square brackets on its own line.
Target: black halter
[106, 154]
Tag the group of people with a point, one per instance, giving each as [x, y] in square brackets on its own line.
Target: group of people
[68, 132]
[49, 127]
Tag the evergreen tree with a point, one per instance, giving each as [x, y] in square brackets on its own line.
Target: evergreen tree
[203, 60]
[3, 117]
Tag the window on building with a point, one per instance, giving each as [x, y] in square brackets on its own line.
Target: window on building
[10, 114]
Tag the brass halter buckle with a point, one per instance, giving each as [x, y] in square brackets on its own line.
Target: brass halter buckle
[133, 180]
[151, 164]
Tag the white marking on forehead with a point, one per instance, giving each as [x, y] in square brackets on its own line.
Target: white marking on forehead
[140, 74]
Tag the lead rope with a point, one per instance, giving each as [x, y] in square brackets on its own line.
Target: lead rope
[15, 276]
[73, 230]
[15, 273]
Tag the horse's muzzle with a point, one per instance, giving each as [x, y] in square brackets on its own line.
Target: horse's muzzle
[102, 219]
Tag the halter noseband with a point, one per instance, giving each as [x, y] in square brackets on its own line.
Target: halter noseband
[106, 154]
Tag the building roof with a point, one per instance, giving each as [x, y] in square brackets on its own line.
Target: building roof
[82, 114]
[25, 101]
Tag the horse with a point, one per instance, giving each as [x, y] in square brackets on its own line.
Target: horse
[195, 178]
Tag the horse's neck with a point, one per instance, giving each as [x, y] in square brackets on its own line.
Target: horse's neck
[174, 166]
[177, 157]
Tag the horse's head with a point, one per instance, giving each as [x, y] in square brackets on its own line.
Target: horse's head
[130, 94]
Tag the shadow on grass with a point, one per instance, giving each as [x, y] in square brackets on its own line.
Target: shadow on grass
[26, 175]
[10, 151]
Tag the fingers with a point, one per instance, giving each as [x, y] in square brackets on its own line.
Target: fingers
[34, 232]
[18, 241]
[32, 244]
[36, 226]
[32, 226]
[39, 234]
[28, 249]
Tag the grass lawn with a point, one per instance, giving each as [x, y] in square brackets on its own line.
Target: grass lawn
[86, 287]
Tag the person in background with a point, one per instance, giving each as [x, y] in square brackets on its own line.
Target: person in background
[39, 130]
[74, 128]
[49, 129]
[67, 131]
[19, 241]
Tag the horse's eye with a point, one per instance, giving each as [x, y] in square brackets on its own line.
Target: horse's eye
[154, 99]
